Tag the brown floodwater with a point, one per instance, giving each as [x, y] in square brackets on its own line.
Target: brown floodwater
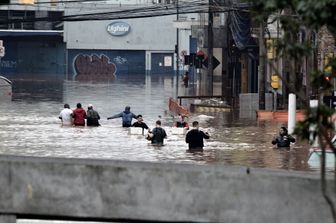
[30, 126]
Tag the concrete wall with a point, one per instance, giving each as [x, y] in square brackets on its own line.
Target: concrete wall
[156, 191]
[249, 104]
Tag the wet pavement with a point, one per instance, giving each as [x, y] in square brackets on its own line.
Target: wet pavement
[30, 126]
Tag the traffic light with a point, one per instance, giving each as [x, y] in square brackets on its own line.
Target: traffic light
[199, 61]
[327, 60]
[233, 49]
[186, 59]
[275, 81]
[194, 60]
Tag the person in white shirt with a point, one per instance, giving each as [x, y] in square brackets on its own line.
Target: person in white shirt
[66, 115]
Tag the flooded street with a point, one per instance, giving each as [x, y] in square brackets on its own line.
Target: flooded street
[30, 126]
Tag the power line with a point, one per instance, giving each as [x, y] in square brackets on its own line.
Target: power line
[197, 6]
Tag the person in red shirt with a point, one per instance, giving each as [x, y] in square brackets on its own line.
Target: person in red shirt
[79, 115]
[181, 122]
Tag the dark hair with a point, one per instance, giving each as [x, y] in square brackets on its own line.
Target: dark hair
[66, 106]
[158, 122]
[138, 116]
[79, 105]
[195, 123]
[284, 129]
[127, 108]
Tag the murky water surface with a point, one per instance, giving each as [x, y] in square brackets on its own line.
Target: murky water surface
[30, 126]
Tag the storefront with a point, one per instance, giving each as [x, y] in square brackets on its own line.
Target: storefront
[33, 54]
[108, 49]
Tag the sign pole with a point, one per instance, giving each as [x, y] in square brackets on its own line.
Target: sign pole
[275, 100]
[210, 49]
[177, 50]
[291, 113]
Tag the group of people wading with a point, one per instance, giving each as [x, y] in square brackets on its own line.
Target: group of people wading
[194, 137]
[77, 117]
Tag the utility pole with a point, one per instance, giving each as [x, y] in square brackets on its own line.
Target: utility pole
[225, 59]
[261, 70]
[210, 49]
[177, 49]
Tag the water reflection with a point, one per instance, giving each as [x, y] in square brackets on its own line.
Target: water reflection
[30, 126]
[37, 89]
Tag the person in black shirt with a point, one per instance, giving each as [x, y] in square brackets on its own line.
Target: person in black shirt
[195, 138]
[92, 117]
[284, 139]
[157, 135]
[140, 124]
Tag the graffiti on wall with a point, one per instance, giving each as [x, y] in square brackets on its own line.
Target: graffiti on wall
[120, 60]
[93, 67]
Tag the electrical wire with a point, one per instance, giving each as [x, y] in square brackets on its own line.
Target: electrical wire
[185, 7]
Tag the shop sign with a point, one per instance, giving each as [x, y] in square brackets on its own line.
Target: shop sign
[118, 28]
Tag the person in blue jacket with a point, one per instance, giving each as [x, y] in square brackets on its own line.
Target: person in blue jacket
[126, 116]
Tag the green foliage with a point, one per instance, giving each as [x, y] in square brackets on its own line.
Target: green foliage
[294, 49]
[290, 24]
[295, 15]
[317, 120]
[309, 15]
[321, 81]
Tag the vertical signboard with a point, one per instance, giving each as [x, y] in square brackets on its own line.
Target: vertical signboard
[2, 49]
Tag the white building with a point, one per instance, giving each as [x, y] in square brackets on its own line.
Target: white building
[123, 46]
[108, 38]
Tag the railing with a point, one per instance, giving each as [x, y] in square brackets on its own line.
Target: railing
[198, 97]
[177, 108]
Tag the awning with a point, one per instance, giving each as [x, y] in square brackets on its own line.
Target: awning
[8, 33]
[240, 26]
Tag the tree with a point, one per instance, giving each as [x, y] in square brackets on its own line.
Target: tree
[310, 17]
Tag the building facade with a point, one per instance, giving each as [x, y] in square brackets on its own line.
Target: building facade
[45, 43]
[32, 48]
